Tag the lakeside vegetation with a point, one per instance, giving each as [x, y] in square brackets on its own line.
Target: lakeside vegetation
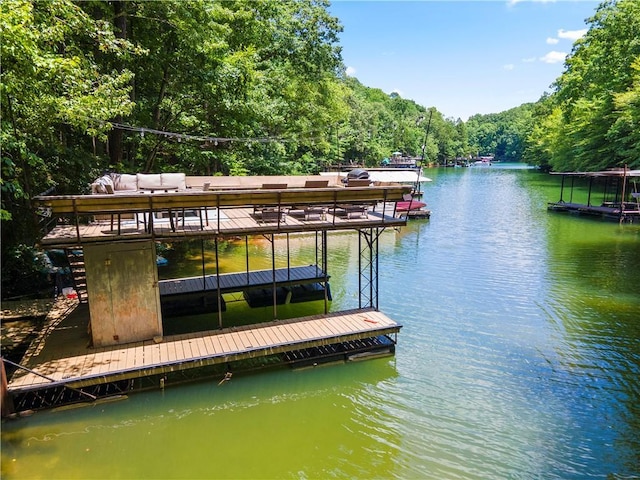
[248, 87]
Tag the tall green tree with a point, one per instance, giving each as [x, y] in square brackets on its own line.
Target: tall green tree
[55, 99]
[591, 119]
[230, 70]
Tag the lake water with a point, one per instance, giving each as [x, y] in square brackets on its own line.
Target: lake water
[519, 358]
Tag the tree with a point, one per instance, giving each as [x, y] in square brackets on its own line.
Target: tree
[501, 134]
[54, 100]
[593, 110]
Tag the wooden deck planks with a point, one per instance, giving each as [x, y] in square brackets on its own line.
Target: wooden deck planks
[206, 346]
[238, 221]
[307, 330]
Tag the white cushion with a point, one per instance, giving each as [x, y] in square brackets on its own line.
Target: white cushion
[125, 181]
[174, 180]
[149, 181]
[99, 185]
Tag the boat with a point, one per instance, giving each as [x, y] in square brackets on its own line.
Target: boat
[409, 205]
[483, 161]
[412, 209]
[398, 160]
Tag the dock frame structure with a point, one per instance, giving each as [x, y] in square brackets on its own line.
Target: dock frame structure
[127, 348]
[620, 195]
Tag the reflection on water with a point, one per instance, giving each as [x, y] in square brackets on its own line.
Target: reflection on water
[207, 430]
[519, 358]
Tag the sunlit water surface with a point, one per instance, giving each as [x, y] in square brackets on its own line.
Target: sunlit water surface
[519, 358]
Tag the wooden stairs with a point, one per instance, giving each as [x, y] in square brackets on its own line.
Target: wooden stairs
[78, 273]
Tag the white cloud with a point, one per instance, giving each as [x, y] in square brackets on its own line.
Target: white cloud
[509, 66]
[552, 41]
[529, 60]
[350, 71]
[553, 57]
[511, 3]
[571, 34]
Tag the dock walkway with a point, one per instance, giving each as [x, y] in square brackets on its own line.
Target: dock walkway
[630, 213]
[65, 359]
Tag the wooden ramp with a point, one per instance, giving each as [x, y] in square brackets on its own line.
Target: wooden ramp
[65, 361]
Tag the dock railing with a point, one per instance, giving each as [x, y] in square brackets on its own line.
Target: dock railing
[82, 209]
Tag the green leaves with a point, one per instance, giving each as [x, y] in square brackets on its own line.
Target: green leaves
[55, 95]
[594, 121]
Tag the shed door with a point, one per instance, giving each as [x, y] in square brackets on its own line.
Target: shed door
[122, 284]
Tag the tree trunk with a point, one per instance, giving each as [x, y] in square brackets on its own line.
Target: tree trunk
[120, 27]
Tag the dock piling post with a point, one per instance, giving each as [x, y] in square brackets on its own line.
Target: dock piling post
[6, 401]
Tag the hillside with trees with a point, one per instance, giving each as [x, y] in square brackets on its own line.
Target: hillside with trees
[502, 134]
[592, 119]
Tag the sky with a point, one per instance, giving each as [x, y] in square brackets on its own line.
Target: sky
[462, 57]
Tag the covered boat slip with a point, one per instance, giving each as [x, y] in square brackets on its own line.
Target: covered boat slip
[194, 214]
[243, 281]
[64, 359]
[609, 194]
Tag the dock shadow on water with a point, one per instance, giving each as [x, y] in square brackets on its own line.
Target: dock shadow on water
[519, 357]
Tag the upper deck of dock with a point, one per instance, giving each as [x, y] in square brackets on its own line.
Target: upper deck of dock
[174, 216]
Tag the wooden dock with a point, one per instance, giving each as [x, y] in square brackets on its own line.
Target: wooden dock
[118, 231]
[630, 213]
[418, 214]
[64, 359]
[618, 187]
[207, 214]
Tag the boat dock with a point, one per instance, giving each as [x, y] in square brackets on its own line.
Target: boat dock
[241, 281]
[176, 216]
[614, 212]
[619, 189]
[185, 296]
[114, 340]
[61, 364]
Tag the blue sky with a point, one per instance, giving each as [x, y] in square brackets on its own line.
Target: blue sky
[462, 57]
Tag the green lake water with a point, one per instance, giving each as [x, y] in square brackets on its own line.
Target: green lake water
[519, 357]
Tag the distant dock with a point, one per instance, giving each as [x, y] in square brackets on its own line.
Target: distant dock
[617, 190]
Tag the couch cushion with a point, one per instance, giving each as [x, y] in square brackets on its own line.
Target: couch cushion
[149, 181]
[125, 182]
[174, 180]
[99, 186]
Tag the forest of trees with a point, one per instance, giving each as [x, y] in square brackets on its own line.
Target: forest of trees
[591, 120]
[259, 87]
